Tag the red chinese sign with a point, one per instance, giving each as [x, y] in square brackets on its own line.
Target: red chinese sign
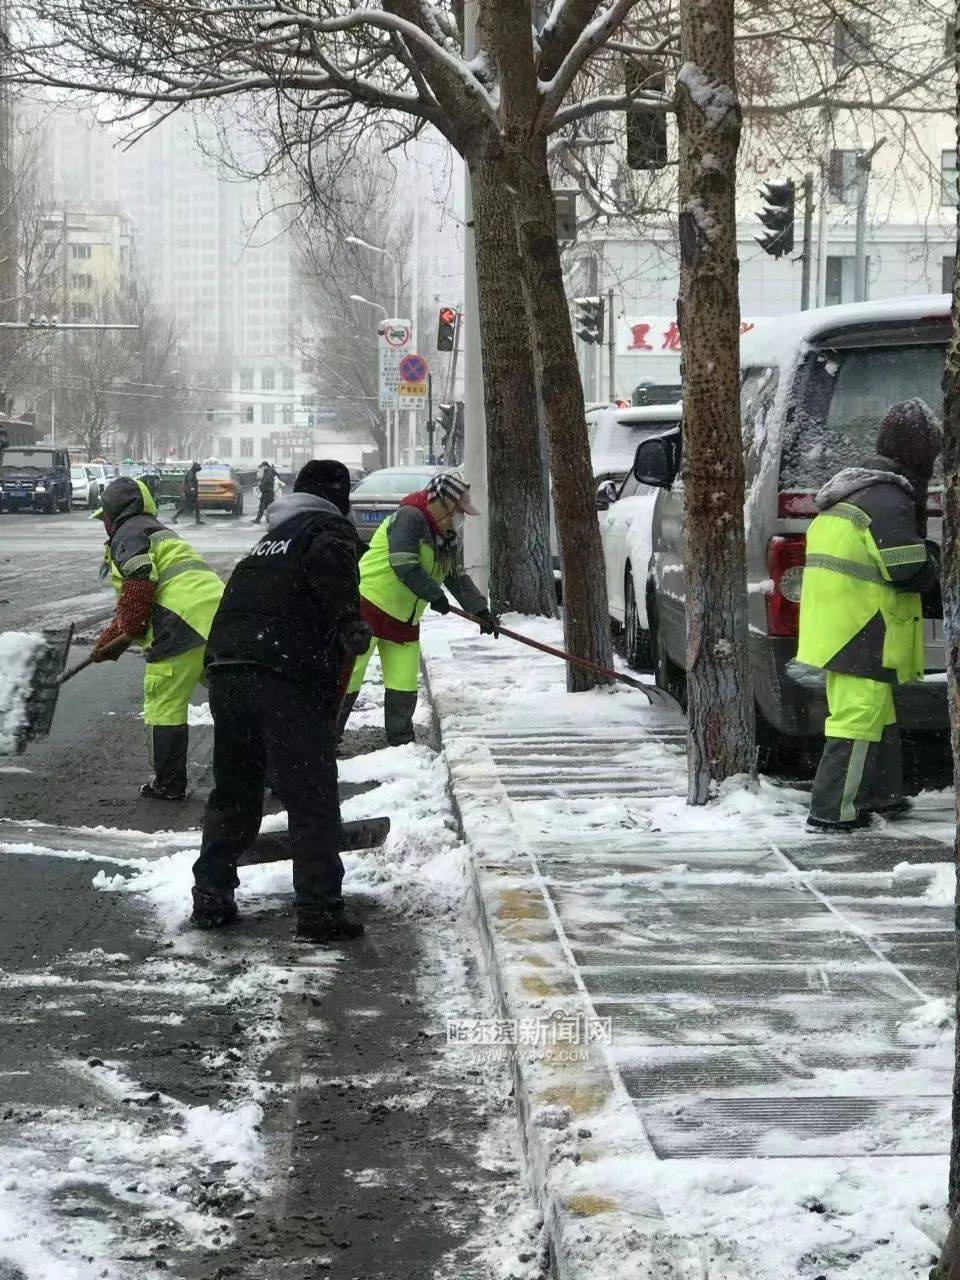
[658, 336]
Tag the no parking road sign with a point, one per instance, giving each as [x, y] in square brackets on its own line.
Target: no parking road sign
[412, 386]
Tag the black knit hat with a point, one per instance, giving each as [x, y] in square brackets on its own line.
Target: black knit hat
[325, 478]
[910, 435]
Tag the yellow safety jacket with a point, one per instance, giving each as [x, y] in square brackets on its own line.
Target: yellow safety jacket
[188, 590]
[860, 610]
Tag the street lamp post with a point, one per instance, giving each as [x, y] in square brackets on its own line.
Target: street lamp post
[363, 244]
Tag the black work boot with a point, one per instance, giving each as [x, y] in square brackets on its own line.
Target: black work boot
[167, 748]
[327, 926]
[212, 909]
[398, 709]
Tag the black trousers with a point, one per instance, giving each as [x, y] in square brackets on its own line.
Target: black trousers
[857, 777]
[269, 728]
[266, 497]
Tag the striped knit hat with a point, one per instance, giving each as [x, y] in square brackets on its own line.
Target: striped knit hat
[450, 487]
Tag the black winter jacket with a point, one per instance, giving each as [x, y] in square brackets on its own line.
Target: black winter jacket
[290, 601]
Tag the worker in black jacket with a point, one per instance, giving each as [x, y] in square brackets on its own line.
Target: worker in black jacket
[190, 495]
[285, 635]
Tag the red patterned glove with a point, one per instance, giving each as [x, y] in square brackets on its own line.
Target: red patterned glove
[134, 606]
[113, 632]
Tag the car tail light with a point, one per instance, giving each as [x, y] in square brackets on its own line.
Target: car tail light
[785, 560]
[794, 503]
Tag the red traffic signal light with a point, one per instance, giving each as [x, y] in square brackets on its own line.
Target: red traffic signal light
[446, 328]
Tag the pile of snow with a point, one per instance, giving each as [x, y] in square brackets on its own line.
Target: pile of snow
[18, 655]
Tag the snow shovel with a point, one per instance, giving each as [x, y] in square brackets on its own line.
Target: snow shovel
[48, 675]
[274, 846]
[656, 697]
[37, 698]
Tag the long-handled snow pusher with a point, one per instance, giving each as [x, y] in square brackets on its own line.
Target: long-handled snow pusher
[28, 701]
[274, 846]
[657, 697]
[30, 678]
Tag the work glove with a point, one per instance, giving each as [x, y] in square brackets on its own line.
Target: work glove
[356, 638]
[113, 632]
[489, 624]
[441, 604]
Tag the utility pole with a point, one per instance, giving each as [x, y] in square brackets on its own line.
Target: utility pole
[822, 212]
[430, 423]
[807, 255]
[611, 349]
[864, 165]
[476, 532]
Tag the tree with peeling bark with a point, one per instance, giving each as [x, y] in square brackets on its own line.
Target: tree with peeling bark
[720, 698]
[498, 109]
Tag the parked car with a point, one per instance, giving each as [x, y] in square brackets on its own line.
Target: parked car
[102, 472]
[35, 478]
[813, 390]
[626, 530]
[613, 432]
[219, 489]
[86, 486]
[379, 494]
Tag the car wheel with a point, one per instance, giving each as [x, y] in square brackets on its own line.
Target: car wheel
[64, 506]
[667, 675]
[238, 509]
[636, 640]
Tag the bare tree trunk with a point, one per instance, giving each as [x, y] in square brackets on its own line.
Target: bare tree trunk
[586, 621]
[521, 574]
[720, 697]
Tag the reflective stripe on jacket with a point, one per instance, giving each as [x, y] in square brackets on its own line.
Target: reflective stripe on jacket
[860, 611]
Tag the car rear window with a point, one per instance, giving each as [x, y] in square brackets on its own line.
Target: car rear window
[391, 484]
[842, 397]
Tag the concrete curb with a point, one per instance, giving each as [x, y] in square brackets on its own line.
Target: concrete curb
[602, 1228]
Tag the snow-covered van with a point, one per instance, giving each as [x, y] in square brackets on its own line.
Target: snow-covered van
[813, 389]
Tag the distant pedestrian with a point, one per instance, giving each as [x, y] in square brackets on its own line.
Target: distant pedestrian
[267, 487]
[861, 618]
[412, 556]
[190, 495]
[280, 648]
[167, 600]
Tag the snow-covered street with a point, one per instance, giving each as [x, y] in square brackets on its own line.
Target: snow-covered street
[184, 1104]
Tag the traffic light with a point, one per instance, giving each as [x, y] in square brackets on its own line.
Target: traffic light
[446, 328]
[779, 199]
[646, 130]
[589, 321]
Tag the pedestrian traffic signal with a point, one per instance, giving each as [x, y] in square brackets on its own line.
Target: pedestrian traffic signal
[779, 199]
[589, 320]
[446, 328]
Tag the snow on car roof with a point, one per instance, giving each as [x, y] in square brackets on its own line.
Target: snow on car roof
[613, 434]
[779, 339]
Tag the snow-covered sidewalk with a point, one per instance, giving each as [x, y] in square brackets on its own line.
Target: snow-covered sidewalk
[773, 1097]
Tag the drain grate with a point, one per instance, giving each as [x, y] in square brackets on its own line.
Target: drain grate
[731, 1128]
